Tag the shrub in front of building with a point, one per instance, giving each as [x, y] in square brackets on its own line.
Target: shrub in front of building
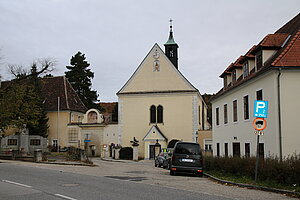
[271, 169]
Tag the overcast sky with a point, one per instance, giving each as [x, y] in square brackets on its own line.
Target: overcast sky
[116, 35]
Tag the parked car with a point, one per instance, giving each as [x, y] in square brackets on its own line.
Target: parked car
[167, 161]
[159, 159]
[187, 157]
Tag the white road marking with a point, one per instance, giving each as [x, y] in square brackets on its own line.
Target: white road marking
[65, 197]
[15, 183]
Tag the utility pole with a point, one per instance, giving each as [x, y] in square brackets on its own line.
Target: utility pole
[257, 158]
[57, 130]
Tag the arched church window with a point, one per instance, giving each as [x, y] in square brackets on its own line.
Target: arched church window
[160, 114]
[152, 114]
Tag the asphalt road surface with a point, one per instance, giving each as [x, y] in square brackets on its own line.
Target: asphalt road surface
[111, 180]
[19, 182]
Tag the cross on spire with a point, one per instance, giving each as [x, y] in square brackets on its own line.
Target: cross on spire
[171, 26]
[171, 47]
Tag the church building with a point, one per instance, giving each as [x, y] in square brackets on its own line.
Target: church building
[158, 104]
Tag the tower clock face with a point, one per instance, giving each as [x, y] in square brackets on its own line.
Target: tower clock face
[156, 54]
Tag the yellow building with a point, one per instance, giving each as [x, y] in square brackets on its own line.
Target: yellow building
[158, 104]
[70, 123]
[64, 109]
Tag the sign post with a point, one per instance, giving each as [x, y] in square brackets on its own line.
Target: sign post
[257, 159]
[259, 124]
[86, 141]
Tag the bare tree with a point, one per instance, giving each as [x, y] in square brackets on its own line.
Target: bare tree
[43, 66]
[17, 70]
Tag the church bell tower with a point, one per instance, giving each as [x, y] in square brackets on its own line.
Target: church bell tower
[171, 47]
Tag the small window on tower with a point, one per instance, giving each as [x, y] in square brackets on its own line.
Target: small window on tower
[171, 52]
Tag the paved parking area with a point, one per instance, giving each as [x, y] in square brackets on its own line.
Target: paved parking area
[144, 172]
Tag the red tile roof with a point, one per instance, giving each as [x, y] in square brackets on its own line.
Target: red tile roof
[287, 43]
[291, 26]
[232, 66]
[291, 54]
[54, 87]
[237, 63]
[227, 71]
[249, 55]
[109, 107]
[271, 41]
[108, 111]
[59, 86]
[274, 40]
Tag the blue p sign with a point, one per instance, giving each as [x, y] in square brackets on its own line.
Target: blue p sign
[260, 109]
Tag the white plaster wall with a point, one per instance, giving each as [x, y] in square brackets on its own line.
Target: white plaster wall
[243, 129]
[111, 134]
[290, 109]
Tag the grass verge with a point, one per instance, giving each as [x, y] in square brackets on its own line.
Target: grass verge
[250, 181]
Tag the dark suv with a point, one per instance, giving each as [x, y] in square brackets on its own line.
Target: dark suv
[187, 157]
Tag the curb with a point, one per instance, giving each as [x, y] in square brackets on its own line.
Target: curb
[51, 163]
[112, 160]
[288, 192]
[74, 164]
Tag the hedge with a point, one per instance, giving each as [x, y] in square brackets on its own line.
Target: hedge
[286, 172]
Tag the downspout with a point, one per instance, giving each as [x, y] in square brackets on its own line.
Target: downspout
[279, 113]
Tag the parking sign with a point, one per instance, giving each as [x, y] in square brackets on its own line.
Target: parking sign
[260, 109]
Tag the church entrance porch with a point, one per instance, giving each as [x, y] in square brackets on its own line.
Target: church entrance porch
[154, 142]
[154, 150]
[151, 152]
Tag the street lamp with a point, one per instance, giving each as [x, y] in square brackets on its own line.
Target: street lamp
[157, 148]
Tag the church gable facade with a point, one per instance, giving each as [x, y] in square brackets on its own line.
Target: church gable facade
[156, 73]
[158, 104]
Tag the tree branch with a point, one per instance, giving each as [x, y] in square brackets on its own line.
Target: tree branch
[43, 65]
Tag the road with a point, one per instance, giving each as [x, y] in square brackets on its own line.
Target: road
[111, 180]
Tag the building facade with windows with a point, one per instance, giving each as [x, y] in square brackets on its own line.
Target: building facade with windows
[158, 104]
[269, 71]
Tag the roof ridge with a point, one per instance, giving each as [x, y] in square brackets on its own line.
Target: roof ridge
[290, 26]
[67, 81]
[66, 93]
[288, 47]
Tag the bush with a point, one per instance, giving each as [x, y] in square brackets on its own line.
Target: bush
[126, 153]
[286, 172]
[74, 153]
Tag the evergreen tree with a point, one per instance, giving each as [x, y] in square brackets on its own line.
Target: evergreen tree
[41, 127]
[80, 78]
[21, 104]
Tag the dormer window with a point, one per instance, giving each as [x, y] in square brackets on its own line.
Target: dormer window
[246, 69]
[258, 59]
[225, 81]
[233, 76]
